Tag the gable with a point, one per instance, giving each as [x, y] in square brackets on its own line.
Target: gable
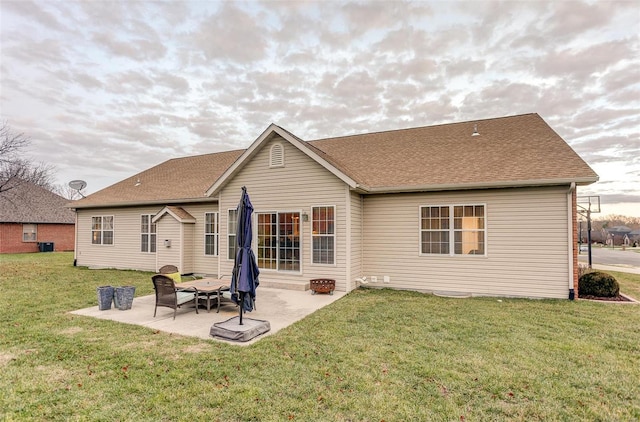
[297, 173]
[178, 213]
[285, 138]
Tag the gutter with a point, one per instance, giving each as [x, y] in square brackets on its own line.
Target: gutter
[144, 203]
[570, 244]
[480, 185]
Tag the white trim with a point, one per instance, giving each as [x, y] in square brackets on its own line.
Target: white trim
[255, 147]
[348, 235]
[281, 158]
[335, 235]
[113, 230]
[451, 230]
[167, 210]
[226, 252]
[181, 251]
[570, 245]
[480, 185]
[148, 234]
[254, 241]
[216, 235]
[35, 231]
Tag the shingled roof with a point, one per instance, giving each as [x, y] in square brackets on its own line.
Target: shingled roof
[501, 152]
[25, 202]
[507, 151]
[176, 180]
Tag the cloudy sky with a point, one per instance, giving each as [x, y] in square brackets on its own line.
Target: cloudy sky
[106, 89]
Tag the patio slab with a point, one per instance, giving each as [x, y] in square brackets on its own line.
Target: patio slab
[278, 306]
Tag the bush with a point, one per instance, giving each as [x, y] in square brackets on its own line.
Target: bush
[598, 284]
[583, 269]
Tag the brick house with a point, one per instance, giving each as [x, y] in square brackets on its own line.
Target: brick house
[31, 215]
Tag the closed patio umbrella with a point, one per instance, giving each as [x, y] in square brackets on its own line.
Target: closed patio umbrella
[244, 279]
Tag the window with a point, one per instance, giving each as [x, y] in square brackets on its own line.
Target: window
[452, 230]
[147, 234]
[211, 232]
[278, 241]
[102, 230]
[468, 230]
[435, 230]
[276, 157]
[29, 232]
[323, 235]
[232, 228]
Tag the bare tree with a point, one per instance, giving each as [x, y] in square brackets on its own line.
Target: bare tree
[13, 164]
[68, 192]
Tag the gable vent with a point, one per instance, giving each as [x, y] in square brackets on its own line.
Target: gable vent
[277, 156]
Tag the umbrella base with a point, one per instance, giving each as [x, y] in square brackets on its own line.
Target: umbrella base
[232, 330]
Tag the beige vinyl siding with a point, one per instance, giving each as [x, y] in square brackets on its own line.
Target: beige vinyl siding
[202, 264]
[526, 250]
[295, 187]
[188, 238]
[169, 228]
[356, 234]
[125, 252]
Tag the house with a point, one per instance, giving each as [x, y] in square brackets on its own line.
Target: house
[32, 217]
[616, 235]
[485, 207]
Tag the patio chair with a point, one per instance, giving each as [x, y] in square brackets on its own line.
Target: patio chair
[172, 272]
[224, 296]
[171, 297]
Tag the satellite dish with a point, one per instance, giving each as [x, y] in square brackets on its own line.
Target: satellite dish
[77, 184]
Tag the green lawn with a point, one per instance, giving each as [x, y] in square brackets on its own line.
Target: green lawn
[373, 355]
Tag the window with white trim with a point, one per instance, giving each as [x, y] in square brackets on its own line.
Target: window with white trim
[452, 230]
[147, 233]
[102, 230]
[232, 228]
[211, 232]
[276, 156]
[323, 234]
[29, 232]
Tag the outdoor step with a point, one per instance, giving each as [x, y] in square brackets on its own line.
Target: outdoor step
[285, 285]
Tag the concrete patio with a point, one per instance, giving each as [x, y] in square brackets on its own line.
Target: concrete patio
[280, 307]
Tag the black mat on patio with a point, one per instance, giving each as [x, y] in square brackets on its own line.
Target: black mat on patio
[232, 330]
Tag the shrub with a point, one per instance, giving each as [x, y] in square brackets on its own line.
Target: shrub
[583, 269]
[598, 284]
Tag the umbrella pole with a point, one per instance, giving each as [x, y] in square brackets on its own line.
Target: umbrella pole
[241, 305]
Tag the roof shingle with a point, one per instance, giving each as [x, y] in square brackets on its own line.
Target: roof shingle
[509, 151]
[25, 202]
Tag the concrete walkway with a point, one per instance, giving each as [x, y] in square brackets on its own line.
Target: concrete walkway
[278, 306]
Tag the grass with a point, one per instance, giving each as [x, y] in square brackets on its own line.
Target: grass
[373, 355]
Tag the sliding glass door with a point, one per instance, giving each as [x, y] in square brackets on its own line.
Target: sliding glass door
[278, 238]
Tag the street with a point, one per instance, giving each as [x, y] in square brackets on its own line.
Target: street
[608, 256]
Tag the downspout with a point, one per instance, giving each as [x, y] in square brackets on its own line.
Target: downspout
[570, 244]
[75, 241]
[347, 239]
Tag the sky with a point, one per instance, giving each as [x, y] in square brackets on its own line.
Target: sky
[106, 89]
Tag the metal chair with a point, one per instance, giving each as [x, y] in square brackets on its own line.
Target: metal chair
[169, 296]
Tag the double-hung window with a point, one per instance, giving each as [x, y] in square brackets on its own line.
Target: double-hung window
[147, 234]
[211, 232]
[453, 230]
[323, 234]
[29, 232]
[102, 230]
[232, 228]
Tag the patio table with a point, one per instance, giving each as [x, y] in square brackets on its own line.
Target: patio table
[207, 288]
